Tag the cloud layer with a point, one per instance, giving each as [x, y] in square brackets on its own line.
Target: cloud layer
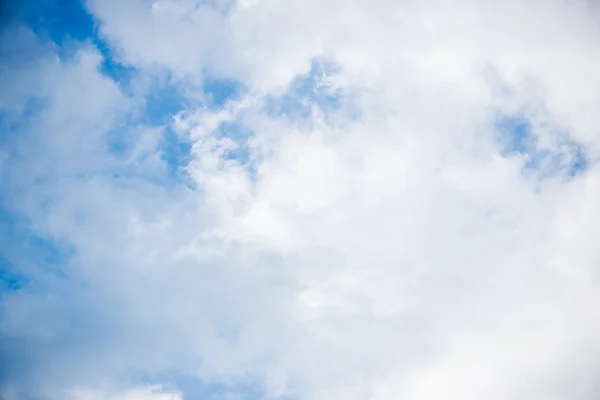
[312, 200]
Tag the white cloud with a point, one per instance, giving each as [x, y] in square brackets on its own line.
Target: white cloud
[388, 249]
[143, 393]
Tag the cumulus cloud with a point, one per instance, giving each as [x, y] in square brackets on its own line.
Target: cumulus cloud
[398, 200]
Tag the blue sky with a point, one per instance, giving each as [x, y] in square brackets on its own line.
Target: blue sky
[252, 200]
[519, 138]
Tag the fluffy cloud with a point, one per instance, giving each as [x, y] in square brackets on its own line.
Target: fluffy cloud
[398, 201]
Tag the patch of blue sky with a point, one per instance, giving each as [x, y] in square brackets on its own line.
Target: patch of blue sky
[165, 101]
[193, 387]
[119, 72]
[240, 135]
[176, 152]
[306, 92]
[173, 150]
[26, 254]
[162, 101]
[219, 91]
[517, 138]
[60, 20]
[67, 24]
[167, 96]
[10, 278]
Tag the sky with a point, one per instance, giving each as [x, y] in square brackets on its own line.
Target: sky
[299, 200]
